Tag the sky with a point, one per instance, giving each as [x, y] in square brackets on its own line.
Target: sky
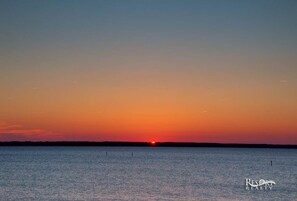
[162, 70]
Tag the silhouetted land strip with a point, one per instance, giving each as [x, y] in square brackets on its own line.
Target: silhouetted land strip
[144, 144]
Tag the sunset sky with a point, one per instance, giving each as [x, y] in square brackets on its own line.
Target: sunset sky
[163, 70]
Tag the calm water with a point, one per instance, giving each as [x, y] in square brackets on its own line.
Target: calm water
[153, 173]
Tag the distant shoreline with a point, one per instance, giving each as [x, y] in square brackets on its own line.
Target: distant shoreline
[144, 144]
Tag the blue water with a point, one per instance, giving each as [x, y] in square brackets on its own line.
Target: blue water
[152, 173]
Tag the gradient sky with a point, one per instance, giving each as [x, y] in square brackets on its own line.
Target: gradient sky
[164, 70]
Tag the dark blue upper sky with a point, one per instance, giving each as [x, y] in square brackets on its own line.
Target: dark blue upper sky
[255, 22]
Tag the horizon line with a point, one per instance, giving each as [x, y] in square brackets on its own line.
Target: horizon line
[145, 144]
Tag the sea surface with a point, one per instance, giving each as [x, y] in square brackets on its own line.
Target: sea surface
[144, 173]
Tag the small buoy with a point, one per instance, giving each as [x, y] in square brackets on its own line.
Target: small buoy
[271, 163]
[132, 154]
